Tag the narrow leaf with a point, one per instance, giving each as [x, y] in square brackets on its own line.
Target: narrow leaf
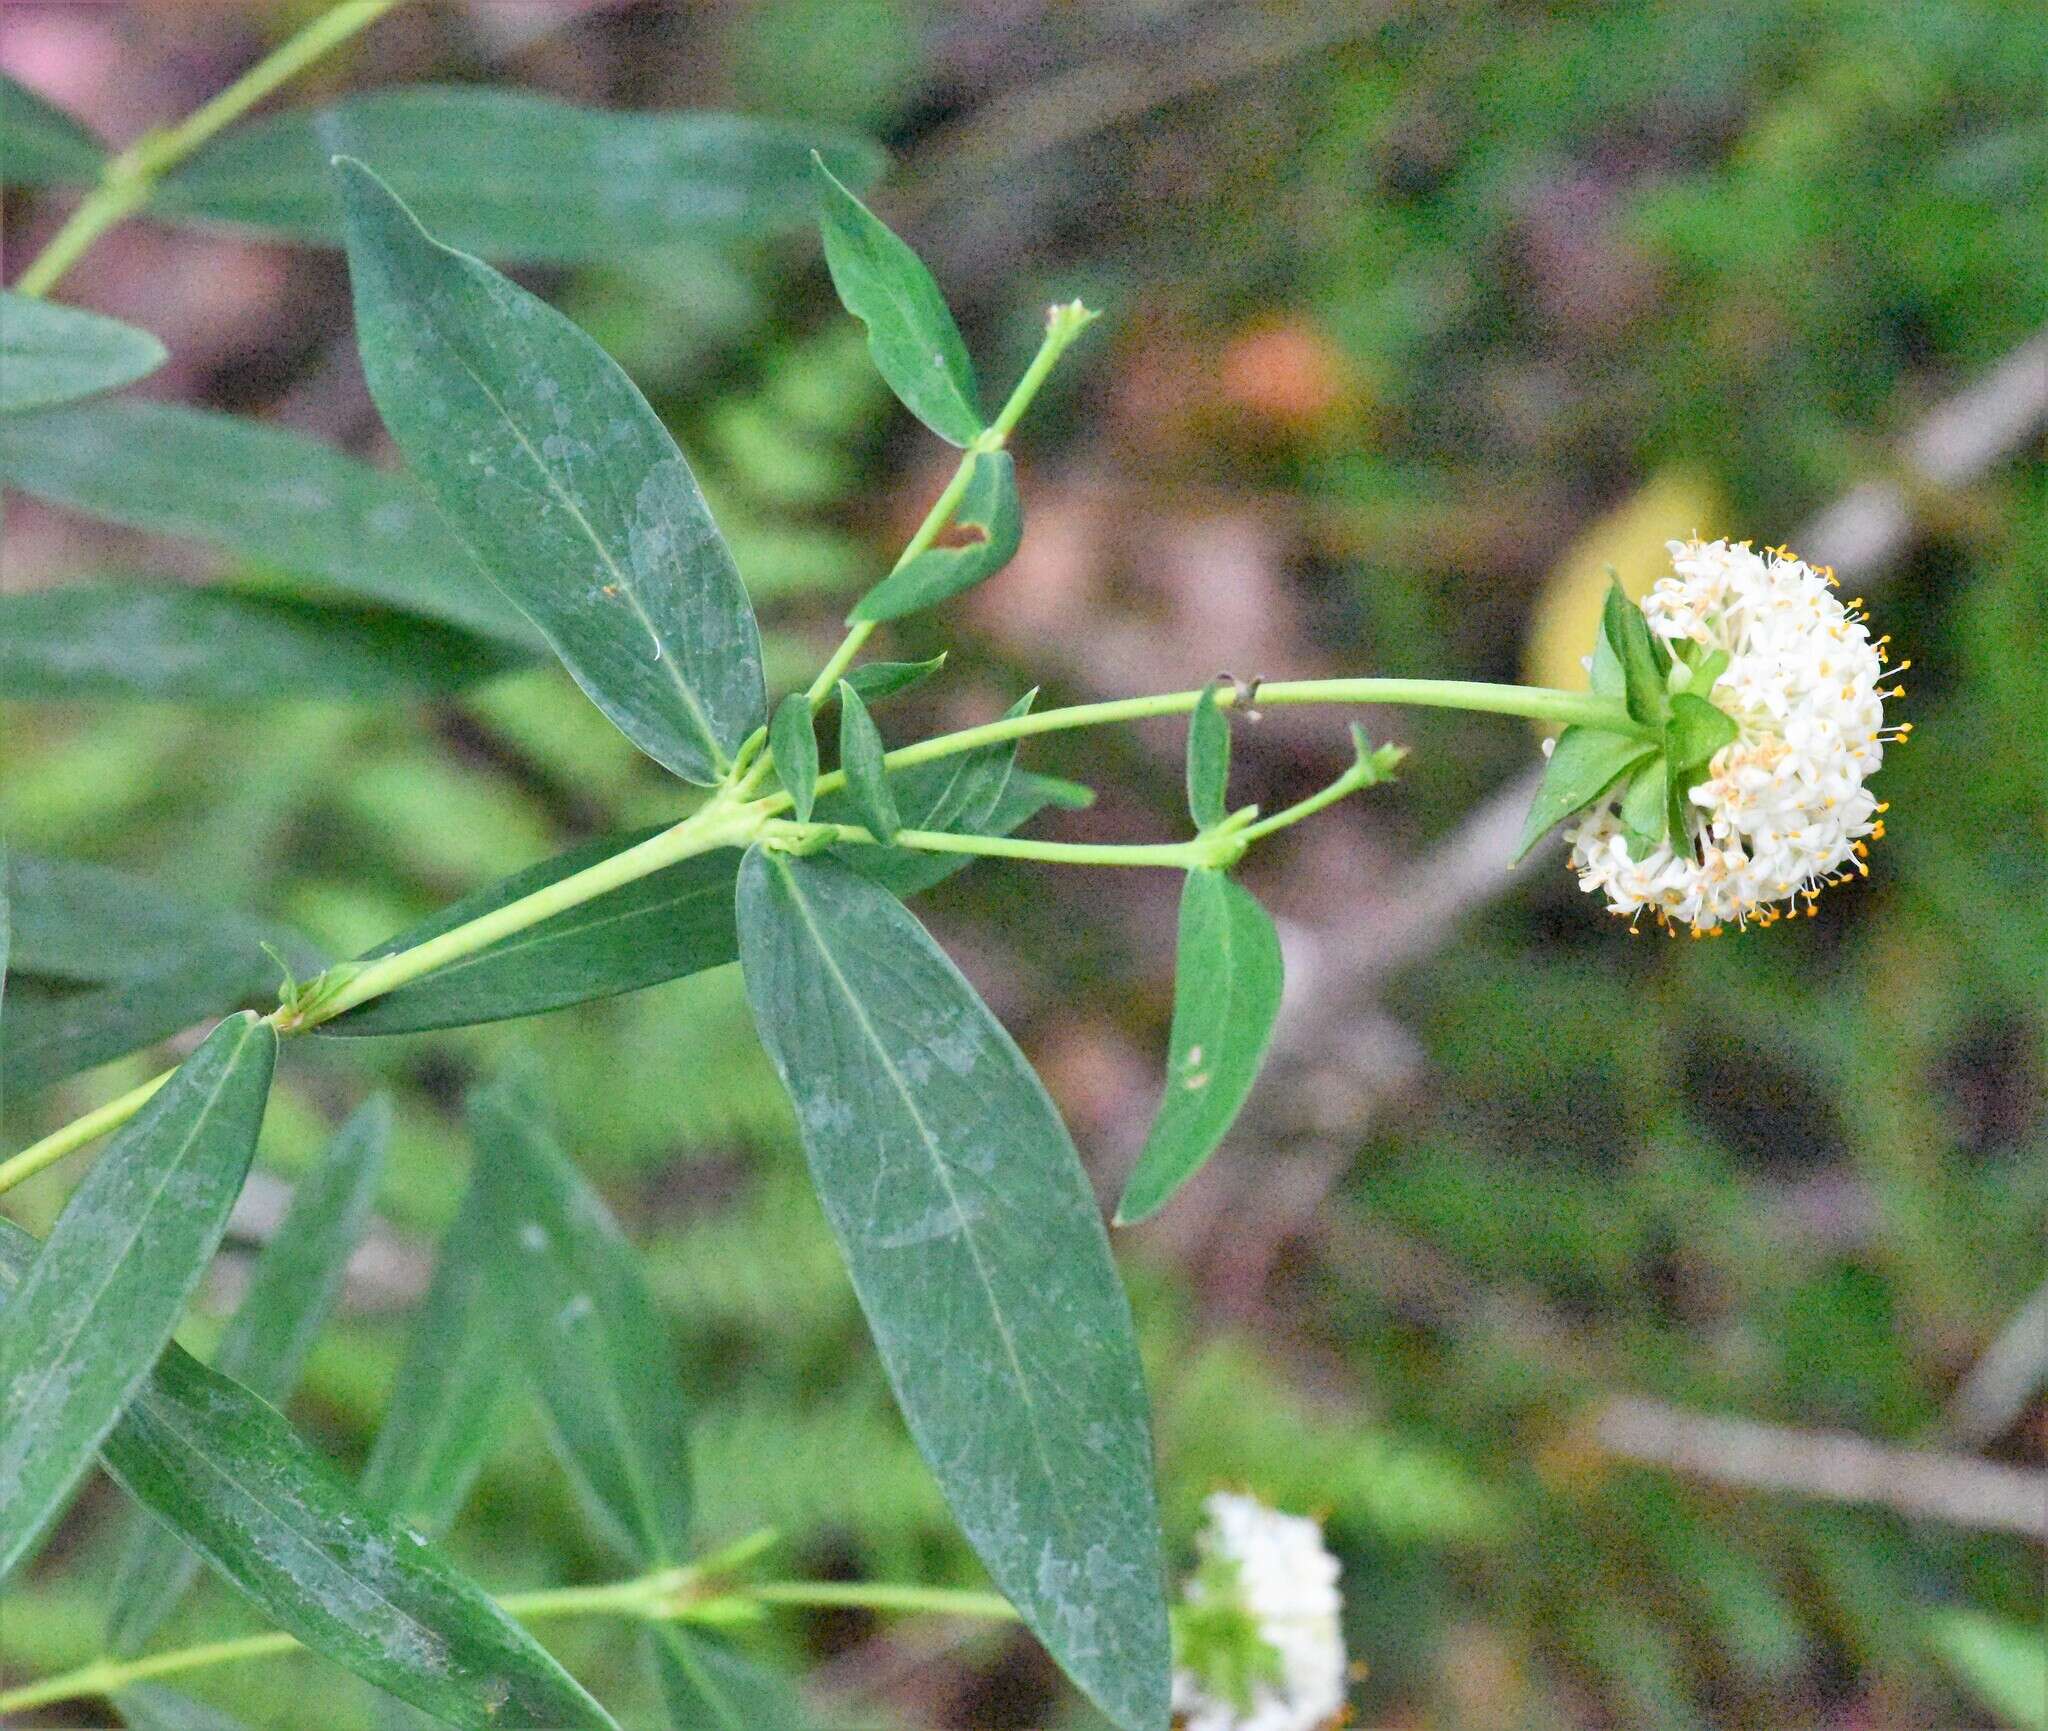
[793, 737]
[987, 525]
[1584, 765]
[590, 1335]
[41, 145]
[978, 1255]
[1628, 637]
[53, 354]
[564, 482]
[1646, 808]
[290, 1293]
[449, 1398]
[706, 1686]
[875, 680]
[161, 643]
[911, 334]
[225, 1472]
[1226, 996]
[109, 1285]
[108, 962]
[867, 777]
[1696, 730]
[274, 497]
[509, 174]
[1208, 760]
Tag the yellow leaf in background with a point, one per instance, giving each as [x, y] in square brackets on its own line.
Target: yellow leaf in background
[1670, 505]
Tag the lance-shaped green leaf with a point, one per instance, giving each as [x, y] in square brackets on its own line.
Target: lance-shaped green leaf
[1226, 996]
[590, 1336]
[982, 538]
[41, 145]
[108, 962]
[109, 1285]
[512, 175]
[911, 334]
[867, 777]
[291, 1290]
[1208, 761]
[225, 1472]
[55, 354]
[163, 643]
[553, 467]
[706, 1686]
[793, 737]
[449, 1399]
[875, 680]
[975, 1247]
[265, 494]
[1584, 765]
[1628, 638]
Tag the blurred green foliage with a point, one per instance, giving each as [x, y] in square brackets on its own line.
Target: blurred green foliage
[1796, 1176]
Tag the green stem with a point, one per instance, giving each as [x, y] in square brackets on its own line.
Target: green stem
[126, 179]
[881, 1596]
[669, 1593]
[1182, 856]
[731, 820]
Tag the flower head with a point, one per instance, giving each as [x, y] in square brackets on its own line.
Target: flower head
[1256, 1637]
[1781, 810]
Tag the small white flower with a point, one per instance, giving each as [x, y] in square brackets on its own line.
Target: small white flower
[1259, 1645]
[1783, 809]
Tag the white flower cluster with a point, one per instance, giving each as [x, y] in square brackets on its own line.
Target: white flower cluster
[1278, 1573]
[1783, 810]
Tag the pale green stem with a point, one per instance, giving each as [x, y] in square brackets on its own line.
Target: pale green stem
[126, 179]
[731, 821]
[1182, 856]
[658, 1598]
[880, 1596]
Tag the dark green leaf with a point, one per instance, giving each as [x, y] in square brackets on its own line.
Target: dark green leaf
[1208, 761]
[660, 927]
[1585, 764]
[589, 1333]
[1226, 994]
[979, 1258]
[550, 463]
[911, 333]
[1695, 732]
[291, 1290]
[151, 1707]
[1019, 797]
[1646, 808]
[162, 643]
[232, 1479]
[54, 354]
[706, 1686]
[449, 1398]
[265, 494]
[41, 145]
[793, 737]
[1628, 637]
[107, 963]
[867, 777]
[509, 174]
[987, 525]
[875, 680]
[109, 1285]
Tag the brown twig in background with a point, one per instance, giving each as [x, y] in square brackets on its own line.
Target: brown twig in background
[1826, 1464]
